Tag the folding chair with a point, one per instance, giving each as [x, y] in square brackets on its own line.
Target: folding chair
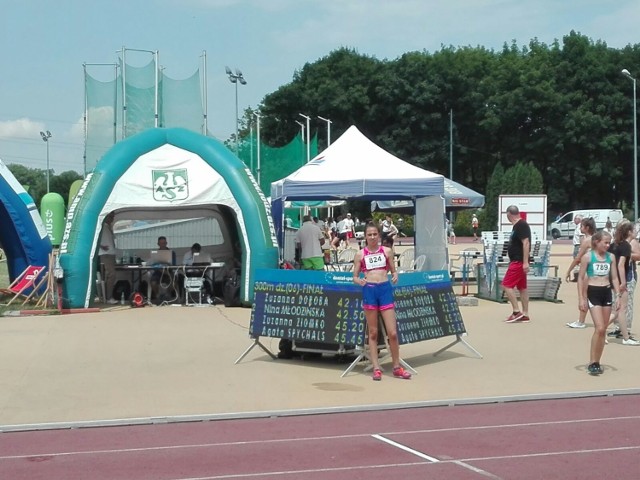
[27, 280]
[418, 264]
[405, 260]
[345, 259]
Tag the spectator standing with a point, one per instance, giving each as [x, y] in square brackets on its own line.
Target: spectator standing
[475, 224]
[332, 228]
[389, 230]
[350, 226]
[632, 282]
[310, 238]
[621, 249]
[345, 231]
[516, 276]
[288, 222]
[578, 236]
[107, 256]
[339, 228]
[587, 229]
[608, 227]
[451, 232]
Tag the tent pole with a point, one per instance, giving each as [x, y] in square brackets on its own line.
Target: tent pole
[124, 94]
[84, 155]
[204, 91]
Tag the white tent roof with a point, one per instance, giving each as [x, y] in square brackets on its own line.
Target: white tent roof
[353, 166]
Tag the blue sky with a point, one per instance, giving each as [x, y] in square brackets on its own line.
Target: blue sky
[43, 45]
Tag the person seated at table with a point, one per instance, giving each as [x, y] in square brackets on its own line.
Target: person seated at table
[189, 256]
[195, 256]
[160, 277]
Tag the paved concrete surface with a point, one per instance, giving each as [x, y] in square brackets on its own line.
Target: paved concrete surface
[156, 362]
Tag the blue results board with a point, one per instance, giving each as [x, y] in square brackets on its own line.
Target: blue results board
[326, 307]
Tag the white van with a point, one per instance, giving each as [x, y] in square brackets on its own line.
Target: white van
[564, 226]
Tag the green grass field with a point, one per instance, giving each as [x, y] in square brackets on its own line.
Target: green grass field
[4, 280]
[4, 274]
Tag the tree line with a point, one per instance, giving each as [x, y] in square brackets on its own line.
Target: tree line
[34, 181]
[563, 109]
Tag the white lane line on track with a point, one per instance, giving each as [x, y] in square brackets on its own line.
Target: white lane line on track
[298, 473]
[476, 470]
[309, 439]
[434, 459]
[405, 448]
[551, 454]
[515, 425]
[460, 462]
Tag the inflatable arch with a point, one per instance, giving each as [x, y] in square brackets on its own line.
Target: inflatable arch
[23, 236]
[165, 171]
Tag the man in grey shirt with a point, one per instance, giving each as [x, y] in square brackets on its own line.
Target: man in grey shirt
[311, 239]
[577, 235]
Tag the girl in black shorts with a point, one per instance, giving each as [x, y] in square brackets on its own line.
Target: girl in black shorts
[598, 272]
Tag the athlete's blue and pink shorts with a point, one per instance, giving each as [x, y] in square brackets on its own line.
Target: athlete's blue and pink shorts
[377, 296]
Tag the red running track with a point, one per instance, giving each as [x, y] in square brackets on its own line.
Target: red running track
[587, 438]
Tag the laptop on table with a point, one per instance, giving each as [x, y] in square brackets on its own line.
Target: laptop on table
[160, 257]
[201, 259]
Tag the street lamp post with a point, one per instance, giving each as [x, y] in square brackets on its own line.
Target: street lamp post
[328, 129]
[308, 140]
[45, 137]
[258, 116]
[301, 136]
[626, 73]
[451, 144]
[236, 78]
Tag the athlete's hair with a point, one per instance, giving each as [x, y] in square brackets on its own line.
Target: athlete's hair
[598, 236]
[371, 225]
[623, 229]
[589, 225]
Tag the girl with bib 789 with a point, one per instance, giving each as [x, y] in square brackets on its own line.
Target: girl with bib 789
[598, 272]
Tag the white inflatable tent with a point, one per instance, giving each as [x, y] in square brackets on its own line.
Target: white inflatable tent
[166, 173]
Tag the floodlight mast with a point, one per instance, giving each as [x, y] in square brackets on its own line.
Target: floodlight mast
[45, 138]
[627, 74]
[301, 135]
[258, 117]
[328, 129]
[308, 118]
[236, 78]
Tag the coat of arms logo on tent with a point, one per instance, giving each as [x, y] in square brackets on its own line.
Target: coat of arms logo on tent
[170, 185]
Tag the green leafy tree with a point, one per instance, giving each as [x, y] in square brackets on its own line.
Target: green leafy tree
[34, 180]
[489, 216]
[61, 184]
[563, 108]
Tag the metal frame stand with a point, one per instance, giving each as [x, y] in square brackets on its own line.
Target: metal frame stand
[364, 353]
[256, 342]
[459, 339]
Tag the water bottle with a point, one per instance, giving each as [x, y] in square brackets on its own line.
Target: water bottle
[122, 299]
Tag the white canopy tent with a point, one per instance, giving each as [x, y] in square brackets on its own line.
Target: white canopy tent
[355, 167]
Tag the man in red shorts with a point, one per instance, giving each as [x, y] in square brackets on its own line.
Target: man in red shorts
[516, 276]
